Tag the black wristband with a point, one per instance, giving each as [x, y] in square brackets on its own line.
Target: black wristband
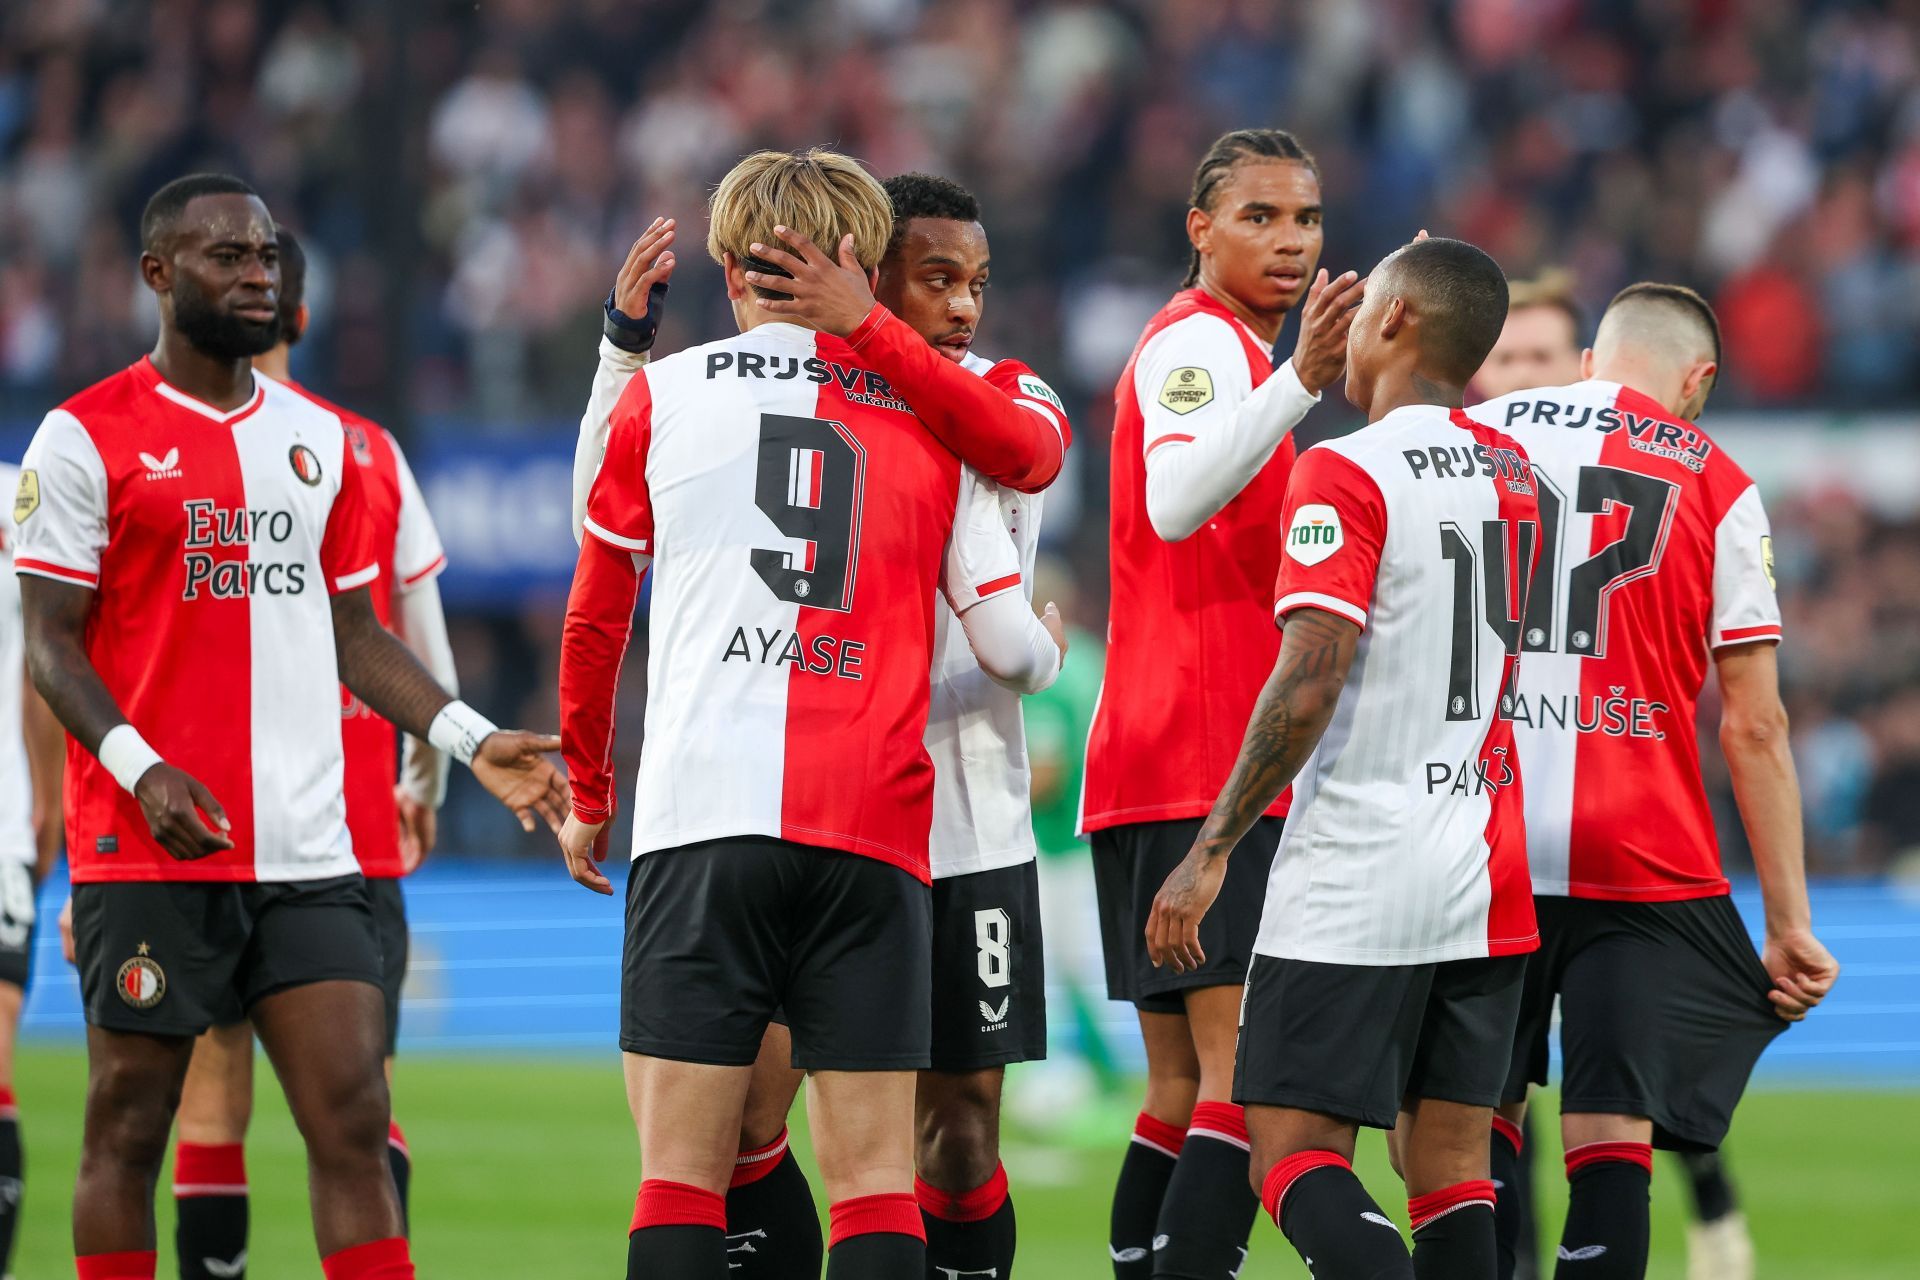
[635, 334]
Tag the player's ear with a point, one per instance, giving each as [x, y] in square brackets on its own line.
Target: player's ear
[1200, 230]
[1586, 363]
[1393, 317]
[736, 276]
[300, 317]
[1696, 387]
[873, 279]
[156, 271]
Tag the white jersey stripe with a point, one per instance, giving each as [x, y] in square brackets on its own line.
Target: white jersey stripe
[299, 784]
[1316, 600]
[358, 578]
[607, 535]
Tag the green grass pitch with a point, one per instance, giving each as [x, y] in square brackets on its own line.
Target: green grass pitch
[526, 1168]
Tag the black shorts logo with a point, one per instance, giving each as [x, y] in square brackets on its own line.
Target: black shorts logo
[141, 982]
[306, 464]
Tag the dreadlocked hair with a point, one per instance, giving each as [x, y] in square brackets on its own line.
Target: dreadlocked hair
[1228, 152]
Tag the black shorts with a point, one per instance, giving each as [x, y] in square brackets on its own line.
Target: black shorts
[390, 929]
[1130, 864]
[1352, 1041]
[989, 973]
[1663, 1013]
[171, 958]
[18, 916]
[723, 933]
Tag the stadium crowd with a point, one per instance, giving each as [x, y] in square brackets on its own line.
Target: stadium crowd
[467, 180]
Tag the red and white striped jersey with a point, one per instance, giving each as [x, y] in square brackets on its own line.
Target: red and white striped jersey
[1406, 842]
[213, 540]
[1655, 550]
[799, 519]
[982, 783]
[1190, 640]
[408, 548]
[16, 779]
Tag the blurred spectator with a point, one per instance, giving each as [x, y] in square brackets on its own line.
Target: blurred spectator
[1767, 153]
[468, 176]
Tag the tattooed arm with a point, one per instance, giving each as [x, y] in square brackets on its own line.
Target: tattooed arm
[1316, 652]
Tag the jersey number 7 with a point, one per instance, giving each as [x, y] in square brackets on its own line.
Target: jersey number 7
[1635, 553]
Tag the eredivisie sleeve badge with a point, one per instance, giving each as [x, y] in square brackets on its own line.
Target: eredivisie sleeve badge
[141, 981]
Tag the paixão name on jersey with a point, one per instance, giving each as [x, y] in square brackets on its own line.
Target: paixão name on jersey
[820, 656]
[1470, 777]
[210, 525]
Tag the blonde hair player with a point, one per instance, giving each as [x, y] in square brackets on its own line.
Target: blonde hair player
[797, 514]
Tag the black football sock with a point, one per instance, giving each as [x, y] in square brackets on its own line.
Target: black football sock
[1144, 1173]
[1526, 1245]
[1607, 1212]
[773, 1230]
[970, 1234]
[400, 1160]
[876, 1238]
[1511, 1207]
[1209, 1208]
[1453, 1236]
[1336, 1227]
[12, 1174]
[678, 1233]
[1713, 1194]
[210, 1210]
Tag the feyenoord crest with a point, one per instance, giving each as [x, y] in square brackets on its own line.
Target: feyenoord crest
[306, 464]
[141, 982]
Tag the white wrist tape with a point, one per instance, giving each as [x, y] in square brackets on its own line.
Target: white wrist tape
[126, 755]
[459, 730]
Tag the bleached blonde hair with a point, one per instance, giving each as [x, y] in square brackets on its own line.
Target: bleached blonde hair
[822, 194]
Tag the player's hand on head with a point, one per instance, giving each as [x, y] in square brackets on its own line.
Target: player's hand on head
[638, 301]
[1320, 355]
[419, 829]
[832, 293]
[512, 764]
[174, 802]
[1802, 969]
[584, 845]
[1173, 927]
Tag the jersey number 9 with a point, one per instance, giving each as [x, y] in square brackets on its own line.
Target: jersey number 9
[811, 475]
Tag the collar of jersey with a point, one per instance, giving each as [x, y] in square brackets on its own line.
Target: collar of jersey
[170, 392]
[1209, 303]
[785, 331]
[1641, 403]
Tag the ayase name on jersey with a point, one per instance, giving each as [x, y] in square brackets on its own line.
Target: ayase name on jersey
[820, 656]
